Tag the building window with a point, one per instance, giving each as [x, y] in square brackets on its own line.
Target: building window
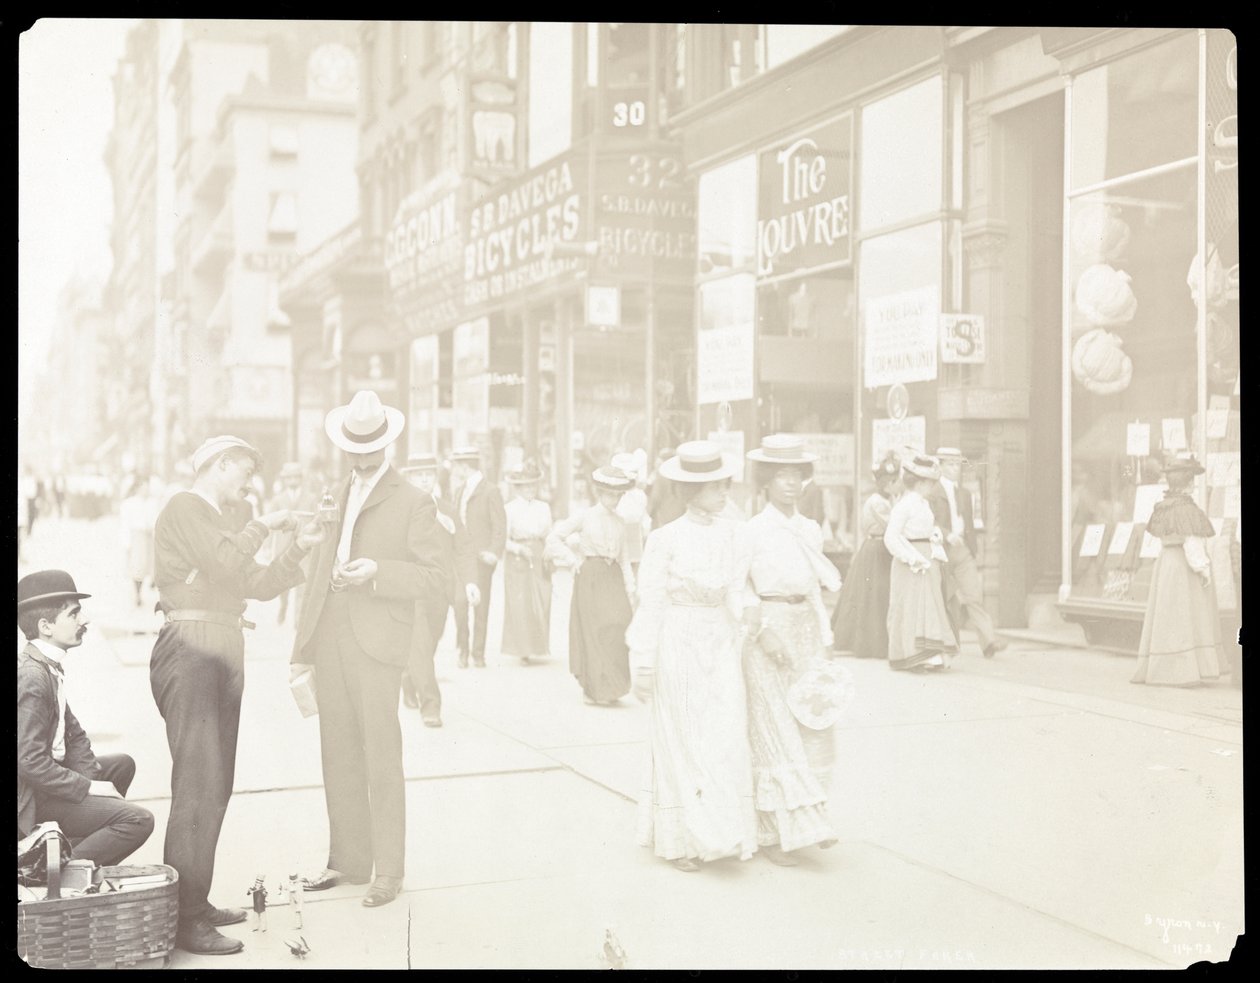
[675, 66]
[727, 217]
[283, 141]
[398, 57]
[550, 90]
[901, 166]
[282, 217]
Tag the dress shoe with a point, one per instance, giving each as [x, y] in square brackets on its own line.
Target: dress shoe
[433, 721]
[383, 891]
[776, 855]
[329, 878]
[226, 916]
[993, 648]
[685, 864]
[204, 939]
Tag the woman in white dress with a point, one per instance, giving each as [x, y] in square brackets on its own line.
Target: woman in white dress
[920, 635]
[792, 760]
[697, 802]
[526, 580]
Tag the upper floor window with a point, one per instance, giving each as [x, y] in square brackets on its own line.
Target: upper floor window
[283, 142]
[398, 56]
[550, 89]
[282, 217]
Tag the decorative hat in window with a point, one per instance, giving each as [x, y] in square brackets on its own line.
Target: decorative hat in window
[1099, 234]
[1222, 284]
[1104, 296]
[1100, 364]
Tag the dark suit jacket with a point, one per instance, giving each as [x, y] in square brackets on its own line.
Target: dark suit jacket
[38, 770]
[397, 528]
[463, 555]
[485, 519]
[940, 509]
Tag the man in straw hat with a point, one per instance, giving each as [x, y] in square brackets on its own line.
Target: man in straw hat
[60, 779]
[204, 569]
[483, 516]
[382, 558]
[419, 682]
[964, 590]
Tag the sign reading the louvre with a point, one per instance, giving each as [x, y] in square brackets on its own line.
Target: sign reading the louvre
[803, 201]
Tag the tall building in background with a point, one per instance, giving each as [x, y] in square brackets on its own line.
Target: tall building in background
[264, 171]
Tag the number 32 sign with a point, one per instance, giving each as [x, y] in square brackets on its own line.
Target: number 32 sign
[962, 338]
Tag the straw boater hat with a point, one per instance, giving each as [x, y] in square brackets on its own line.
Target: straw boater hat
[1184, 462]
[950, 454]
[214, 446]
[612, 478]
[696, 461]
[363, 425]
[470, 454]
[923, 466]
[46, 586]
[782, 448]
[527, 475]
[419, 462]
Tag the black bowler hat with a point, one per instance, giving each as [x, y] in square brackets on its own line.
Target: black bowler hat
[45, 586]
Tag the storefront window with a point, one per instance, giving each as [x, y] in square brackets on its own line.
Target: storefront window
[818, 307]
[727, 216]
[1136, 113]
[901, 168]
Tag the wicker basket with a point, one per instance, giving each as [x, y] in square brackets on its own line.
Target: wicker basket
[102, 931]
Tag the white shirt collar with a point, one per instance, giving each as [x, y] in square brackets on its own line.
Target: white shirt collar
[365, 485]
[50, 652]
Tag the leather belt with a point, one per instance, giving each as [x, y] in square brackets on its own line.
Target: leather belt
[214, 617]
[785, 598]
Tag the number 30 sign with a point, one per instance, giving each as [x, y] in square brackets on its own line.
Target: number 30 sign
[962, 338]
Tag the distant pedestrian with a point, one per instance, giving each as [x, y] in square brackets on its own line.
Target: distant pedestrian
[419, 680]
[526, 575]
[920, 635]
[59, 495]
[633, 506]
[137, 515]
[787, 572]
[480, 505]
[696, 803]
[32, 491]
[204, 570]
[603, 584]
[963, 587]
[1181, 632]
[860, 623]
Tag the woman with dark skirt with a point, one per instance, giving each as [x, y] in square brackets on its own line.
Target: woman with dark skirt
[920, 635]
[860, 622]
[594, 541]
[526, 579]
[1181, 633]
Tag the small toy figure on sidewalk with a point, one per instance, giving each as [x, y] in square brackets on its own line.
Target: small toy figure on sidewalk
[295, 897]
[259, 894]
[298, 946]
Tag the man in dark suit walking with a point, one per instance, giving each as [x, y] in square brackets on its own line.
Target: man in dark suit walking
[482, 513]
[963, 588]
[60, 779]
[355, 633]
[419, 682]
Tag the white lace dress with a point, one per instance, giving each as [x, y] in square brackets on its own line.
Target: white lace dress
[697, 795]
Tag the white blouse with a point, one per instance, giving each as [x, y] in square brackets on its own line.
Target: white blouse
[785, 557]
[911, 518]
[527, 519]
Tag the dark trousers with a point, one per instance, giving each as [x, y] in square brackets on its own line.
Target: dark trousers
[485, 575]
[420, 675]
[101, 828]
[197, 673]
[361, 746]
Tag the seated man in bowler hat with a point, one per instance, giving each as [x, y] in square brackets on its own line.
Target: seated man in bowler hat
[60, 779]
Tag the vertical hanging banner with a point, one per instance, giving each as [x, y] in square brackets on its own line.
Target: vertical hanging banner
[900, 338]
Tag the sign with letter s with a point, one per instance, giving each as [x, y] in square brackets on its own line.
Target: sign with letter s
[962, 339]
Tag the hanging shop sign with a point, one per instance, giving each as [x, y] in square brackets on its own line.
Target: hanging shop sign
[645, 216]
[422, 257]
[724, 363]
[962, 339]
[508, 231]
[899, 338]
[803, 200]
[492, 131]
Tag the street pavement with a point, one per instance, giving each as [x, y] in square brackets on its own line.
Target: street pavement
[1035, 810]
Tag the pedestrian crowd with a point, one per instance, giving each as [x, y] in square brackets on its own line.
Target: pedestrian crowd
[718, 620]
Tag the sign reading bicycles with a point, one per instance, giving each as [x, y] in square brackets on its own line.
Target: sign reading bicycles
[803, 200]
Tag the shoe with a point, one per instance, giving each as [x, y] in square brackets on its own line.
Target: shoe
[479, 663]
[382, 892]
[463, 660]
[329, 878]
[685, 864]
[433, 721]
[204, 939]
[776, 855]
[994, 647]
[226, 916]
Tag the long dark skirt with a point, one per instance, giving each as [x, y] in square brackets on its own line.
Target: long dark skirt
[526, 605]
[860, 624]
[598, 618]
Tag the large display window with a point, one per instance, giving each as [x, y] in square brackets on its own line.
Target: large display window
[1151, 314]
